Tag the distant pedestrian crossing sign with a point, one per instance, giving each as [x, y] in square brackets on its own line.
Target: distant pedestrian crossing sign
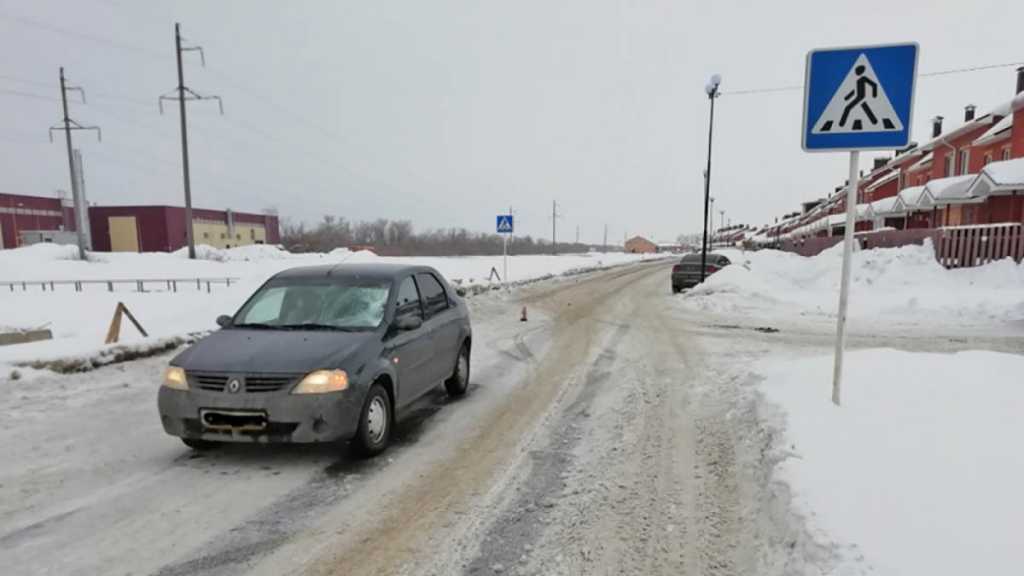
[505, 224]
[859, 98]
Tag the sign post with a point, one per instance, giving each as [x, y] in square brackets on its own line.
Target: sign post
[504, 224]
[857, 98]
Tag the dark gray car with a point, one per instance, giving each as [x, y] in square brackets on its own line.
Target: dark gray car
[686, 274]
[321, 354]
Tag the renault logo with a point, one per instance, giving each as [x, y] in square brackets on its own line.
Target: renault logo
[234, 386]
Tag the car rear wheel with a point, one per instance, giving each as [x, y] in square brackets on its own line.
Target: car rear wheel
[198, 445]
[375, 421]
[459, 382]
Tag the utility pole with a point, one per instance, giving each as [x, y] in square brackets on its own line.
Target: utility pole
[185, 93]
[577, 233]
[721, 223]
[68, 126]
[554, 221]
[606, 238]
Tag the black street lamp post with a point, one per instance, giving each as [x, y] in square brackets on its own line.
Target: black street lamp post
[711, 89]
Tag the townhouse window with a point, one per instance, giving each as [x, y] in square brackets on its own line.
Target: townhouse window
[1006, 153]
[964, 158]
[988, 159]
[949, 165]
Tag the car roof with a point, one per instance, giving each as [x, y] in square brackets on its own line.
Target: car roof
[696, 256]
[362, 270]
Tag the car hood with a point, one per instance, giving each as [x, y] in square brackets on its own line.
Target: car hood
[281, 351]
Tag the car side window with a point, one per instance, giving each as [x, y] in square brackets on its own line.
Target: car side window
[434, 298]
[408, 301]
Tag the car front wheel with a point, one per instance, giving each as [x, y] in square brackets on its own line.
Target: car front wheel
[459, 382]
[374, 432]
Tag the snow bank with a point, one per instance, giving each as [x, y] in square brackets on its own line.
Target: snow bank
[239, 254]
[43, 252]
[920, 470]
[891, 283]
[79, 320]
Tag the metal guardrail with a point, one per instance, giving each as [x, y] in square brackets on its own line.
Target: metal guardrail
[140, 284]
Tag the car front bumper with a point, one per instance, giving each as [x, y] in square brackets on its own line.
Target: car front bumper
[263, 418]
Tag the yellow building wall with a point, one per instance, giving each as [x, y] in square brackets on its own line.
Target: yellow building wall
[216, 234]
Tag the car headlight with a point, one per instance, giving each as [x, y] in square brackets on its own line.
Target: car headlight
[174, 378]
[322, 381]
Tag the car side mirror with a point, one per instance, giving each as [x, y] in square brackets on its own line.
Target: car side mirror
[223, 320]
[408, 322]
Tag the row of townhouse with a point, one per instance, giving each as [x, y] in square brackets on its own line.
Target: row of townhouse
[969, 176]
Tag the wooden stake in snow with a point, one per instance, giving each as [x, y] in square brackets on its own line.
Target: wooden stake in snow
[523, 317]
[114, 332]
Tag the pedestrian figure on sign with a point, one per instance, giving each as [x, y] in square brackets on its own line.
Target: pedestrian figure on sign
[861, 93]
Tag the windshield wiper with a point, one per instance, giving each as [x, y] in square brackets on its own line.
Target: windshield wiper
[255, 325]
[316, 326]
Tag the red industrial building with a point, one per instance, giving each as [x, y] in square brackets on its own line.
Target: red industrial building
[162, 228]
[19, 213]
[132, 228]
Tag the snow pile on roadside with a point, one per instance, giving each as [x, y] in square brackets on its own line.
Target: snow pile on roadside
[239, 254]
[919, 472]
[43, 252]
[886, 282]
[79, 320]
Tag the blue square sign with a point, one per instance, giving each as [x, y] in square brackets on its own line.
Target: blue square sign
[859, 98]
[504, 224]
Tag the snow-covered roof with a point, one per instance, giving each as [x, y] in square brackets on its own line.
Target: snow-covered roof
[890, 205]
[996, 131]
[1006, 172]
[996, 177]
[912, 197]
[1000, 110]
[884, 180]
[927, 159]
[835, 219]
[952, 190]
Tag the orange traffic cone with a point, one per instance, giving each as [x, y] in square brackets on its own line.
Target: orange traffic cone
[523, 317]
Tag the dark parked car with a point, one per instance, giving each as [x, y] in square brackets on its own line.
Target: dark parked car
[321, 354]
[686, 274]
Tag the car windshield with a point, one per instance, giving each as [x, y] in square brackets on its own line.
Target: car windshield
[294, 303]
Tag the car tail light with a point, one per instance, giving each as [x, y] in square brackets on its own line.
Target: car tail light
[712, 268]
[677, 268]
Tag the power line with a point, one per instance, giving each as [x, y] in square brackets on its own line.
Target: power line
[31, 95]
[134, 49]
[797, 87]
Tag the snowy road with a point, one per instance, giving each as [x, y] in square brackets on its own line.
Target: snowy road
[614, 433]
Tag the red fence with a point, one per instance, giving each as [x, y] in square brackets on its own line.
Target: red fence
[955, 246]
[965, 246]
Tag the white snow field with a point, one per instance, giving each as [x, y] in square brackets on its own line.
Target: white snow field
[920, 470]
[887, 285]
[79, 320]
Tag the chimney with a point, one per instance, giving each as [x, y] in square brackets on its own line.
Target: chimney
[936, 126]
[879, 162]
[1020, 80]
[968, 112]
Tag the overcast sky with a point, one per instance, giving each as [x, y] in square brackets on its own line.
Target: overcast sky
[446, 112]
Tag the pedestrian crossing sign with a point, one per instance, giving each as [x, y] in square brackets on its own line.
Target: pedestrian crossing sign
[859, 98]
[505, 224]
